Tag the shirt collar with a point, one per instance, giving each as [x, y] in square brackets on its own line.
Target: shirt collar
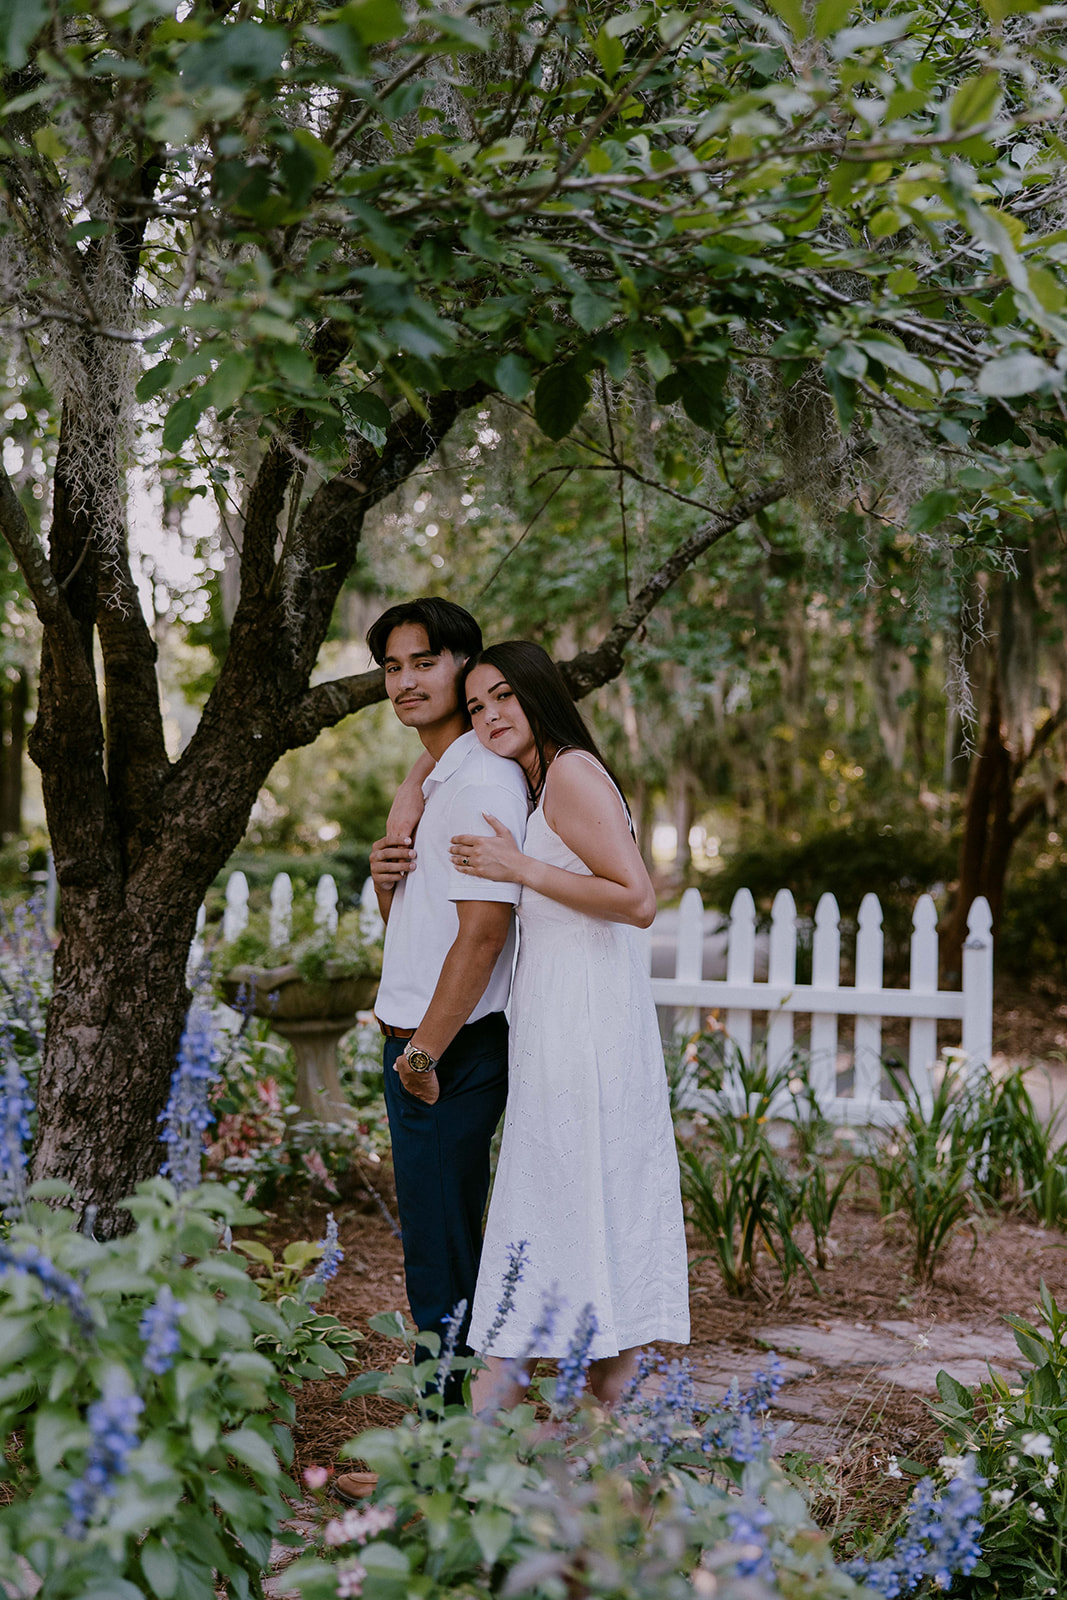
[451, 761]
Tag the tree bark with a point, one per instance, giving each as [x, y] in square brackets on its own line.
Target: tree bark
[18, 704]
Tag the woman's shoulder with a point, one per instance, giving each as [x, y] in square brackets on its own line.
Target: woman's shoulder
[578, 775]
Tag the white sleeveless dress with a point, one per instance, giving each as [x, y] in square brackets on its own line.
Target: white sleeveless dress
[588, 1172]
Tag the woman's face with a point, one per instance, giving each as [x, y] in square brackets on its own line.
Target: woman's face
[497, 718]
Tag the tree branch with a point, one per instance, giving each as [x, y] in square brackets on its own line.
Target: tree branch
[590, 668]
[327, 704]
[1041, 738]
[29, 552]
[1034, 807]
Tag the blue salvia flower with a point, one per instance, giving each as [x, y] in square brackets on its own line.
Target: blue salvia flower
[940, 1538]
[187, 1114]
[16, 1106]
[506, 1303]
[159, 1330]
[574, 1364]
[113, 1436]
[452, 1325]
[57, 1286]
[747, 1525]
[332, 1256]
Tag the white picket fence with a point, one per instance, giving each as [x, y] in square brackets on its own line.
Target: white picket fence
[738, 998]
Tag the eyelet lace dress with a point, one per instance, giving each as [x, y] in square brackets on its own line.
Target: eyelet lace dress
[588, 1172]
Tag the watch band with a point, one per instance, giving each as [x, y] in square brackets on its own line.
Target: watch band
[419, 1060]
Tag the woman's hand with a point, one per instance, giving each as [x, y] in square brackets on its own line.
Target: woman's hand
[498, 858]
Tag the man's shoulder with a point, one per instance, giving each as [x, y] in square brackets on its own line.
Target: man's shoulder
[480, 765]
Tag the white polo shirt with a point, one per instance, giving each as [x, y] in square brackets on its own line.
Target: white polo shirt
[423, 919]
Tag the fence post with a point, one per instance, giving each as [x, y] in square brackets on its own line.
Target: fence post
[825, 974]
[977, 1038]
[741, 966]
[235, 917]
[868, 1038]
[370, 918]
[196, 949]
[922, 1038]
[281, 910]
[781, 969]
[689, 957]
[326, 904]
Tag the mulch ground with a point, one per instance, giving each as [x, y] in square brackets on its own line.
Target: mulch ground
[986, 1271]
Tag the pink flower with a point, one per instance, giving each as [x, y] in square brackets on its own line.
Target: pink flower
[317, 1167]
[316, 1477]
[350, 1576]
[270, 1094]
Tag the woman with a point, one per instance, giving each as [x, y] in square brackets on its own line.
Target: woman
[588, 1172]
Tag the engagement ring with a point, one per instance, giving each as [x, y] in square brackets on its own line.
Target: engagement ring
[466, 863]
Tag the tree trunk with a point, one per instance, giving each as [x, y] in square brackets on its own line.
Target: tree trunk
[988, 837]
[114, 1025]
[18, 704]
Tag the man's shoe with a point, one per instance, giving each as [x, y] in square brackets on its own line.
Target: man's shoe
[355, 1486]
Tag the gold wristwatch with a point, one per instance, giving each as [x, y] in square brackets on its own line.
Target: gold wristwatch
[419, 1060]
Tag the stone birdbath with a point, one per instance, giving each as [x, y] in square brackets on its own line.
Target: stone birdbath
[310, 1012]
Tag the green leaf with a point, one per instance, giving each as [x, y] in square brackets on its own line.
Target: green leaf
[951, 1390]
[1016, 374]
[829, 15]
[589, 309]
[20, 23]
[181, 422]
[381, 1557]
[112, 1589]
[843, 393]
[252, 1449]
[155, 380]
[792, 14]
[376, 21]
[513, 377]
[610, 52]
[49, 143]
[491, 1527]
[1031, 1348]
[56, 1429]
[868, 36]
[626, 22]
[974, 100]
[560, 398]
[228, 383]
[160, 1567]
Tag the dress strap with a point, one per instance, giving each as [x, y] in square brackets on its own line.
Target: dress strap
[593, 762]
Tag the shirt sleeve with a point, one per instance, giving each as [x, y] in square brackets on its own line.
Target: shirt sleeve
[465, 816]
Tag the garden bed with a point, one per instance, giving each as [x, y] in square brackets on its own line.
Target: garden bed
[995, 1269]
[845, 1415]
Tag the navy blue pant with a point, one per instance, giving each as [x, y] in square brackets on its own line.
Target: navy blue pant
[441, 1163]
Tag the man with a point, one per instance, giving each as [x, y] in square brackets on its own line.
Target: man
[446, 972]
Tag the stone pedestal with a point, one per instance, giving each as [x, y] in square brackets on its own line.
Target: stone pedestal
[311, 1015]
[318, 1087]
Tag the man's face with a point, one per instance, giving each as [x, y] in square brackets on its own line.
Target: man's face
[422, 686]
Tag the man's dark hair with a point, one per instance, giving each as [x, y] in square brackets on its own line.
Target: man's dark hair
[448, 627]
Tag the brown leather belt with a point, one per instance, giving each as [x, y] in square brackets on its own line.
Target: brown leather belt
[394, 1033]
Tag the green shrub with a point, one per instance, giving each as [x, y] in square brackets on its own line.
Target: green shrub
[1033, 930]
[739, 1192]
[659, 1501]
[898, 862]
[145, 1397]
[925, 1163]
[1020, 1436]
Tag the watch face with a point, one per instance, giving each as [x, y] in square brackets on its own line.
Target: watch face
[419, 1061]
